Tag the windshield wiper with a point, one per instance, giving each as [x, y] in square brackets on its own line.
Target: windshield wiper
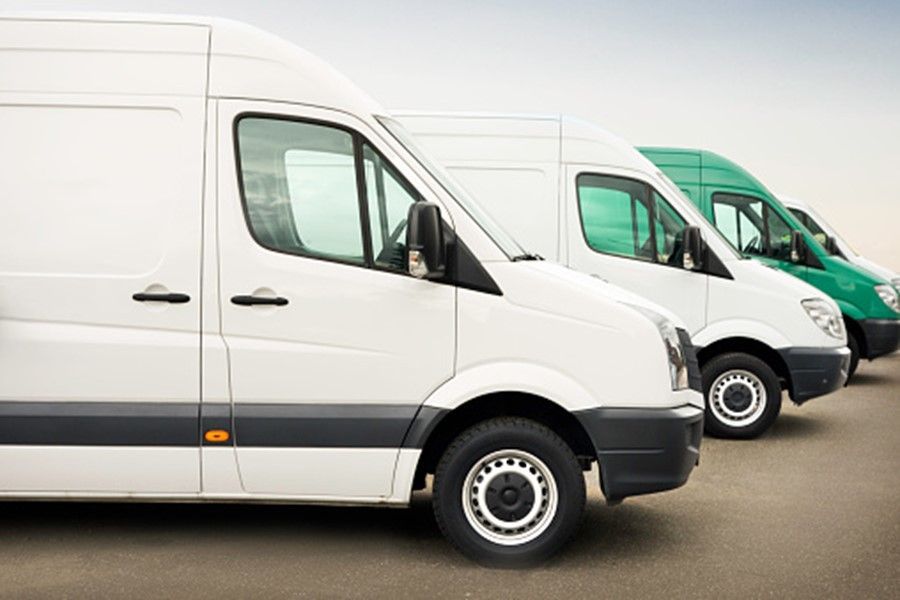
[527, 256]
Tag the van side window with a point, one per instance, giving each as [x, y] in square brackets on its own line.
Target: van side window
[300, 191]
[388, 197]
[725, 218]
[779, 236]
[810, 224]
[629, 218]
[615, 216]
[751, 226]
[318, 191]
[669, 228]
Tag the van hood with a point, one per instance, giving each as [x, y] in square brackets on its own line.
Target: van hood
[875, 268]
[771, 279]
[562, 278]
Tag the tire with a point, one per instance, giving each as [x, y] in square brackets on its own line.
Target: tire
[853, 344]
[743, 396]
[534, 463]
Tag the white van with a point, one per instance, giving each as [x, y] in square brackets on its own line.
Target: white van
[578, 195]
[226, 275]
[832, 240]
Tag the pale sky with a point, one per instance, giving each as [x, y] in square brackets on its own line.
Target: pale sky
[804, 94]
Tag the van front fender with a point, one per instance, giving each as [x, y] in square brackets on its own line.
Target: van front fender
[497, 377]
[850, 310]
[740, 328]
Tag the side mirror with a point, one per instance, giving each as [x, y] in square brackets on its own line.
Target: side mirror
[798, 247]
[692, 241]
[425, 250]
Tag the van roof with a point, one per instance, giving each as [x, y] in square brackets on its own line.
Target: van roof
[715, 168]
[793, 202]
[244, 62]
[582, 141]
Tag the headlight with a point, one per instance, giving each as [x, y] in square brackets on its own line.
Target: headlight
[825, 317]
[896, 283]
[678, 369]
[888, 295]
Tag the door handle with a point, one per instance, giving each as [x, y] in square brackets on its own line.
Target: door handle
[171, 298]
[258, 300]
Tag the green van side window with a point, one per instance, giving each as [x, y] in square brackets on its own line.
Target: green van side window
[751, 226]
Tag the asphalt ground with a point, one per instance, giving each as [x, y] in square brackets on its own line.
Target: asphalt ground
[810, 510]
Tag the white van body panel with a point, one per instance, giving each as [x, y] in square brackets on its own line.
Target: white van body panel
[759, 303]
[143, 198]
[86, 471]
[103, 201]
[525, 155]
[771, 299]
[846, 249]
[128, 57]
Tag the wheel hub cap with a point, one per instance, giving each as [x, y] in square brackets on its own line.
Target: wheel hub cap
[509, 497]
[737, 398]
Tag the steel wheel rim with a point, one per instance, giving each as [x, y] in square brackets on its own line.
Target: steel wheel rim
[738, 398]
[501, 516]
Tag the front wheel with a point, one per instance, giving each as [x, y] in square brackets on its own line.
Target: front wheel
[508, 492]
[743, 396]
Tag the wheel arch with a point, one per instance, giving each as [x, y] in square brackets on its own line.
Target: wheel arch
[750, 346]
[854, 328]
[446, 425]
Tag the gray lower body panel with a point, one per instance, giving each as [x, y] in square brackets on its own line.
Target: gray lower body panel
[815, 371]
[641, 451]
[882, 336]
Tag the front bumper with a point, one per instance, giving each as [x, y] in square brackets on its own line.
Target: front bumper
[643, 450]
[815, 372]
[882, 336]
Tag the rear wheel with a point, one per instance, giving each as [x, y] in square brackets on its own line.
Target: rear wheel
[508, 492]
[743, 396]
[853, 344]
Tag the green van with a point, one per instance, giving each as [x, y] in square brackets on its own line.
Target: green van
[761, 227]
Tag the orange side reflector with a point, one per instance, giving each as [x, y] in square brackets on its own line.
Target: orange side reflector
[216, 435]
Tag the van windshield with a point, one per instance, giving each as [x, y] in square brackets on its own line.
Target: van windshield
[505, 241]
[688, 205]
